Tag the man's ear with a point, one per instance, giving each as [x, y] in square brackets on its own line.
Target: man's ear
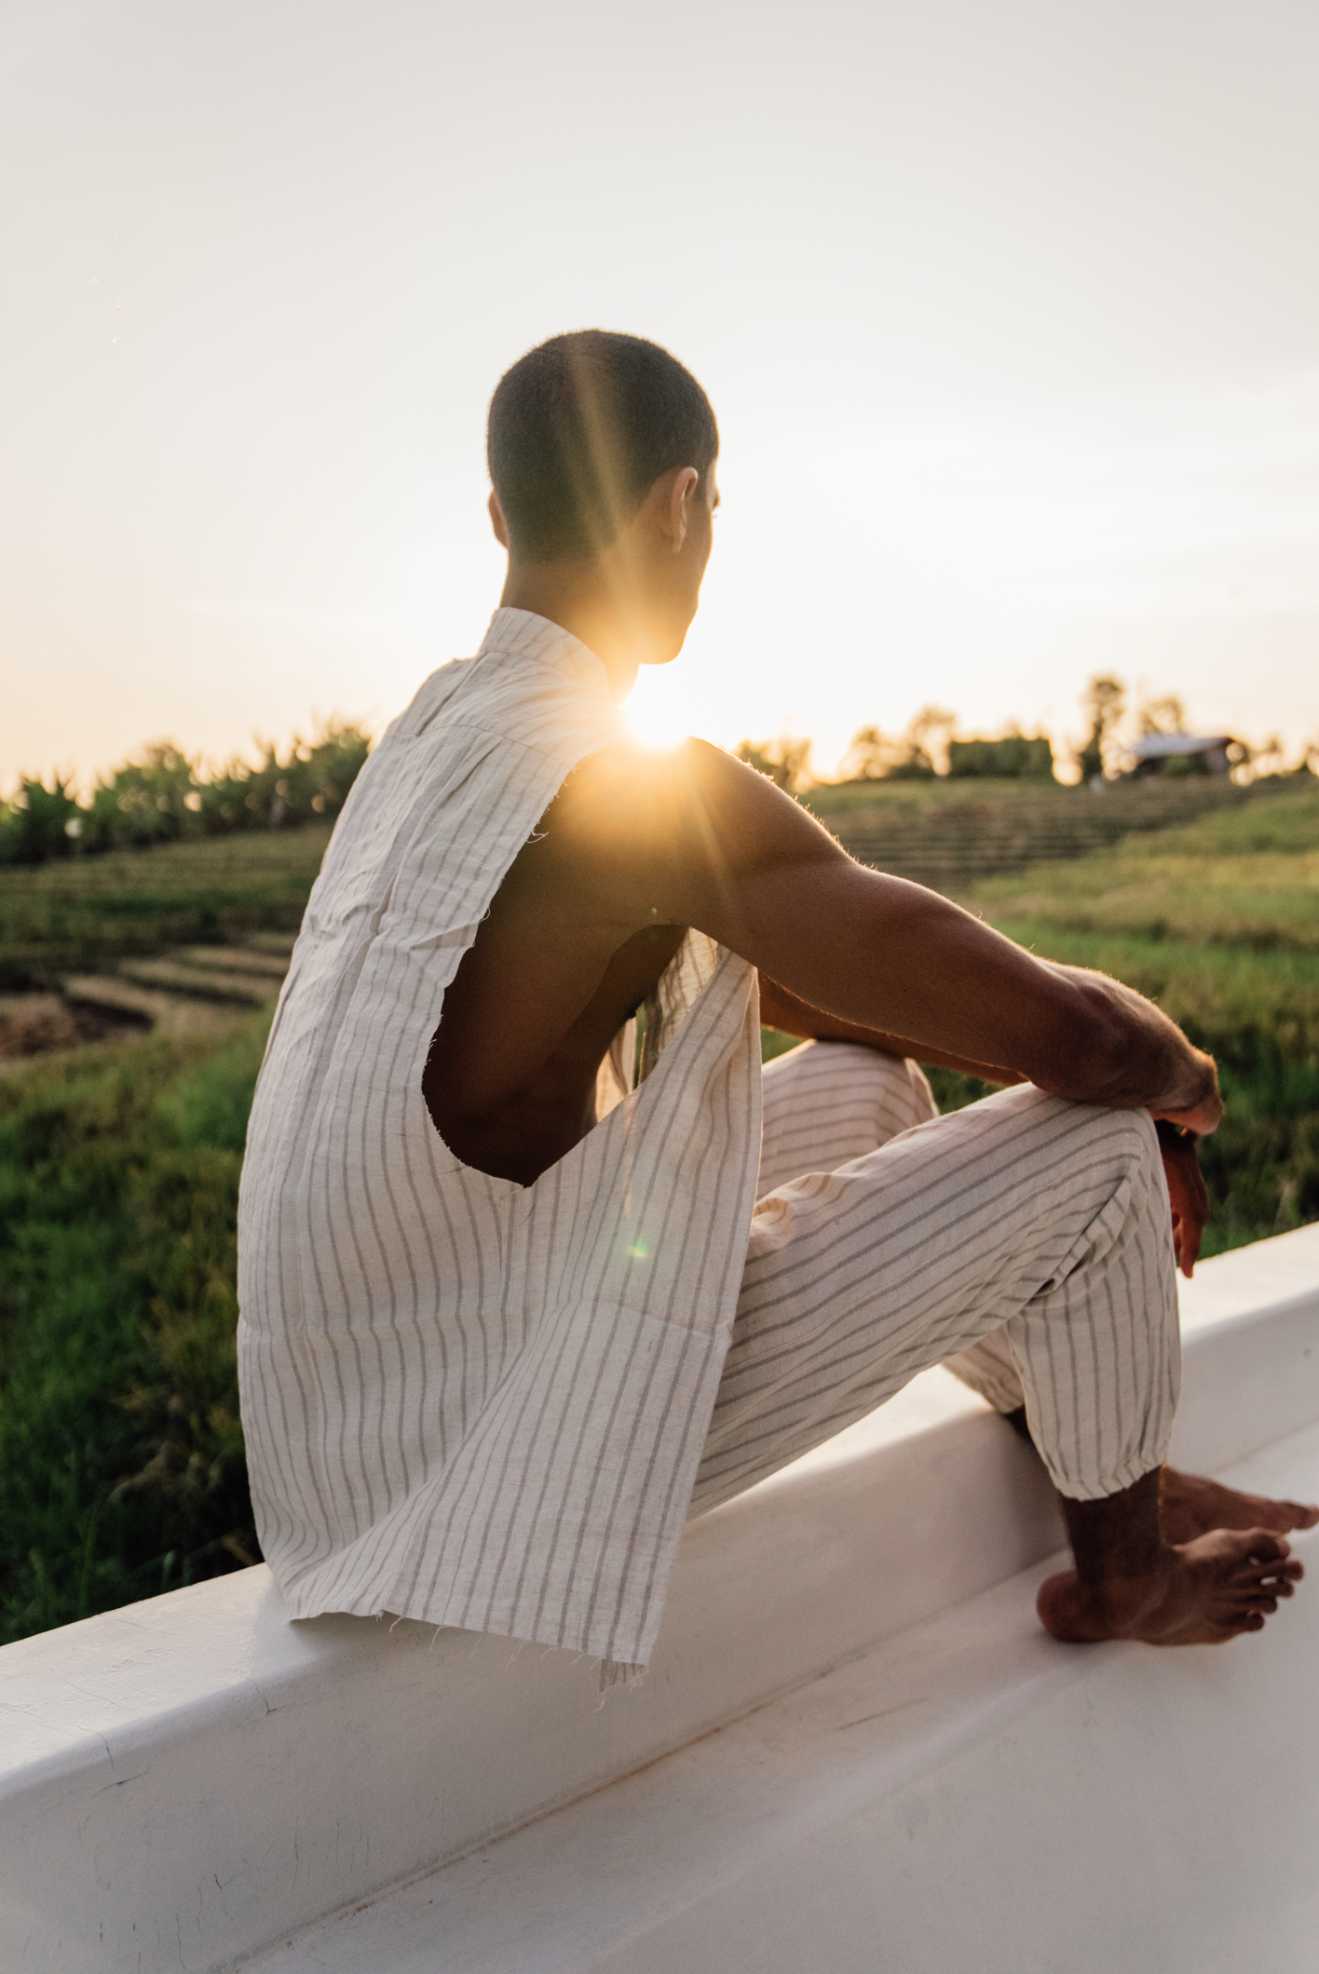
[678, 506]
[497, 520]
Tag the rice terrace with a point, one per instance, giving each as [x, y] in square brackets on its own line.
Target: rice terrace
[134, 999]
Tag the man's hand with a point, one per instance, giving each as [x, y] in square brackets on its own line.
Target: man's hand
[1204, 1113]
[1186, 1090]
[1188, 1194]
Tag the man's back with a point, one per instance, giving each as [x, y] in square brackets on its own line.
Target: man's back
[553, 974]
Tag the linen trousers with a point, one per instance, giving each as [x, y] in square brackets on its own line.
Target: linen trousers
[1024, 1242]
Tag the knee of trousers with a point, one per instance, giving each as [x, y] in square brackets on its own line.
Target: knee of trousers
[1076, 1153]
[1117, 1149]
[1129, 1136]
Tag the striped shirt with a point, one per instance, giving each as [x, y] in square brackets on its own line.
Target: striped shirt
[466, 1400]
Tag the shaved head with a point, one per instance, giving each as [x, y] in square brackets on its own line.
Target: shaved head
[580, 428]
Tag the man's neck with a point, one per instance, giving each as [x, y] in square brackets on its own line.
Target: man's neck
[579, 603]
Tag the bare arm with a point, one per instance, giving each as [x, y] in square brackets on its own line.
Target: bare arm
[698, 838]
[785, 1011]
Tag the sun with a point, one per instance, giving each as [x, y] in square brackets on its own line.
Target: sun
[659, 712]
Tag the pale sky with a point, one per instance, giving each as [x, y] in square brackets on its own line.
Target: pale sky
[1010, 317]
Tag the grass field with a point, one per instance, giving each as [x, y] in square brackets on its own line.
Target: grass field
[85, 913]
[1245, 877]
[956, 834]
[121, 1457]
[1028, 809]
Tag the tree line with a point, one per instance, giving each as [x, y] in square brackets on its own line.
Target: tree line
[162, 795]
[931, 746]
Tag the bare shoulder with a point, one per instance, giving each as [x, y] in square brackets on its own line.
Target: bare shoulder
[670, 817]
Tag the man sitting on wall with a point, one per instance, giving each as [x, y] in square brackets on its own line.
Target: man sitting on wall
[536, 1265]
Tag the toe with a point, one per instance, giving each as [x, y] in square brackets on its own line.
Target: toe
[1258, 1576]
[1253, 1567]
[1233, 1625]
[1262, 1546]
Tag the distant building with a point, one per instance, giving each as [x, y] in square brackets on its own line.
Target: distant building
[1210, 754]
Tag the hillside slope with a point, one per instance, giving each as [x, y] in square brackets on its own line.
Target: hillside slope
[952, 834]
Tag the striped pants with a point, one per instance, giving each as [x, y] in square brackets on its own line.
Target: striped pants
[1024, 1242]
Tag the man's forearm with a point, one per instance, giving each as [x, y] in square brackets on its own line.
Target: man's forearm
[1143, 1060]
[783, 1010]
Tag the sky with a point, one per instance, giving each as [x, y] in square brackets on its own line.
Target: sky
[1010, 318]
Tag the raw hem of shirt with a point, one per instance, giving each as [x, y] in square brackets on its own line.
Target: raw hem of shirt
[610, 1673]
[615, 1672]
[677, 1373]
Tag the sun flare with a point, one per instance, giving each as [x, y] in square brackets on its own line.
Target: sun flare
[659, 712]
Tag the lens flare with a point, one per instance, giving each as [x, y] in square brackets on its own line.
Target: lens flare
[659, 712]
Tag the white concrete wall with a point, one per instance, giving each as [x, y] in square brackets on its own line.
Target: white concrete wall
[966, 1798]
[191, 1778]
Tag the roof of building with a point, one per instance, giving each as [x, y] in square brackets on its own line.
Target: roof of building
[1159, 746]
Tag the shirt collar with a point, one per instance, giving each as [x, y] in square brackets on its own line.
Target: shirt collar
[525, 634]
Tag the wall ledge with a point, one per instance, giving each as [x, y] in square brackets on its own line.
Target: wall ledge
[190, 1779]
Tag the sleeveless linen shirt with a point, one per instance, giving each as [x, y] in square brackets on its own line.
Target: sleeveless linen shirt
[465, 1400]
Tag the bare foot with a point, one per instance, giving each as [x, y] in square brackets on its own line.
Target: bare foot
[1190, 1506]
[1204, 1592]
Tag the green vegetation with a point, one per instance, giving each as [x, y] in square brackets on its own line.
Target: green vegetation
[954, 834]
[1219, 923]
[121, 1454]
[121, 1458]
[1243, 877]
[1001, 802]
[838, 802]
[1028, 757]
[163, 795]
[85, 913]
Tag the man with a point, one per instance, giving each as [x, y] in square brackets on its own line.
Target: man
[535, 1265]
